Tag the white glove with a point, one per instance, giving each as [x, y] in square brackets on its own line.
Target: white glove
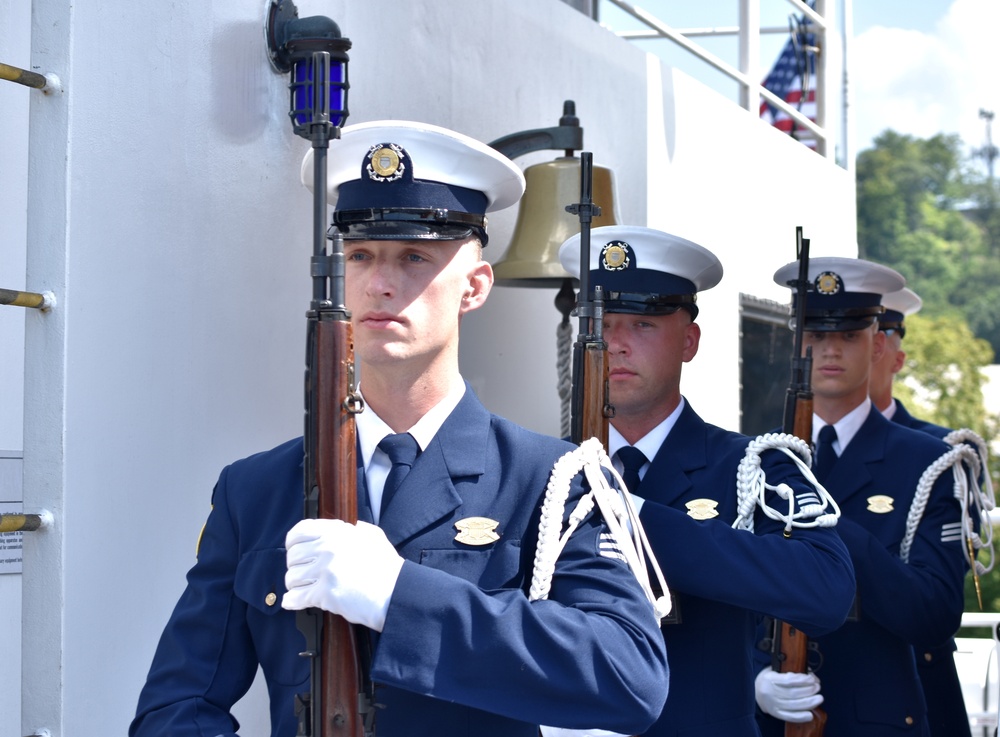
[345, 569]
[787, 696]
[561, 732]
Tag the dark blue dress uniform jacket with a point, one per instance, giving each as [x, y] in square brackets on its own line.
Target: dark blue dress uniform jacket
[868, 676]
[721, 577]
[946, 711]
[463, 652]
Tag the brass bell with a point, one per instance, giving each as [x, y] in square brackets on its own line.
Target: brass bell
[543, 224]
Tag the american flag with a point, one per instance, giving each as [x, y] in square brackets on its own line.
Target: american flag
[793, 79]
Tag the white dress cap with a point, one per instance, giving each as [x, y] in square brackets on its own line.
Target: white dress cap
[642, 270]
[437, 155]
[905, 302]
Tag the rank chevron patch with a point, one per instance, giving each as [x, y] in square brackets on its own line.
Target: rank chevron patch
[608, 547]
[951, 532]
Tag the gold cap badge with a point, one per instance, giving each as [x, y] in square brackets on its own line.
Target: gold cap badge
[702, 508]
[385, 162]
[477, 531]
[828, 283]
[880, 504]
[614, 256]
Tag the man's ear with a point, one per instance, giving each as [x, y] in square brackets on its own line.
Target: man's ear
[479, 286]
[899, 361]
[692, 339]
[878, 345]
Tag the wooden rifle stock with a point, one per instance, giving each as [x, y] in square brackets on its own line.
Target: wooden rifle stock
[591, 406]
[789, 645]
[790, 651]
[336, 702]
[593, 417]
[337, 705]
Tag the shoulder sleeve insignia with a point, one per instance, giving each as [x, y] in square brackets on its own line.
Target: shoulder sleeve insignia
[701, 509]
[880, 504]
[477, 531]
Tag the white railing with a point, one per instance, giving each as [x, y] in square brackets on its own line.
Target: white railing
[976, 660]
[747, 75]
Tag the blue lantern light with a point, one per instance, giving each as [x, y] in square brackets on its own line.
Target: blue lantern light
[315, 53]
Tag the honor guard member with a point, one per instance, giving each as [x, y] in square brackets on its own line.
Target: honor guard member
[458, 649]
[902, 527]
[892, 323]
[683, 474]
[946, 712]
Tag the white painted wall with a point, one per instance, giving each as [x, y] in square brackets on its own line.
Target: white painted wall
[164, 209]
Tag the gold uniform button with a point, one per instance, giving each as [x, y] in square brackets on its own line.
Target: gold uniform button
[909, 721]
[270, 599]
[928, 657]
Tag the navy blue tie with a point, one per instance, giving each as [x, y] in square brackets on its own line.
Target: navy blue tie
[825, 455]
[402, 450]
[632, 460]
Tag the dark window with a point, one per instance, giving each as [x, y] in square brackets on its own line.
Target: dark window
[765, 363]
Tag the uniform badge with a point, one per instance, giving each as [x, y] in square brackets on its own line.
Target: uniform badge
[880, 504]
[477, 531]
[614, 256]
[384, 162]
[828, 283]
[701, 509]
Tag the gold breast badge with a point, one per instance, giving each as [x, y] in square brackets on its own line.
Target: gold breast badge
[477, 531]
[701, 509]
[880, 504]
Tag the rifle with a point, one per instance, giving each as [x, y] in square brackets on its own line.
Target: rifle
[789, 645]
[591, 404]
[337, 704]
[798, 397]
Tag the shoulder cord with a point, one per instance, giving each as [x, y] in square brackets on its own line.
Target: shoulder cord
[967, 462]
[618, 512]
[752, 487]
[980, 497]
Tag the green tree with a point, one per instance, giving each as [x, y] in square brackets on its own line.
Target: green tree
[941, 378]
[929, 212]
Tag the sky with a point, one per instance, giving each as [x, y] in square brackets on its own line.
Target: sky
[926, 66]
[920, 67]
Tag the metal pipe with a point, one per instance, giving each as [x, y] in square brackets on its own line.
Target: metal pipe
[23, 76]
[47, 83]
[24, 522]
[702, 31]
[44, 301]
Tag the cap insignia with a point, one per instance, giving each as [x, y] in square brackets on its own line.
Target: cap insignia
[828, 283]
[614, 256]
[476, 531]
[701, 509]
[385, 162]
[880, 504]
